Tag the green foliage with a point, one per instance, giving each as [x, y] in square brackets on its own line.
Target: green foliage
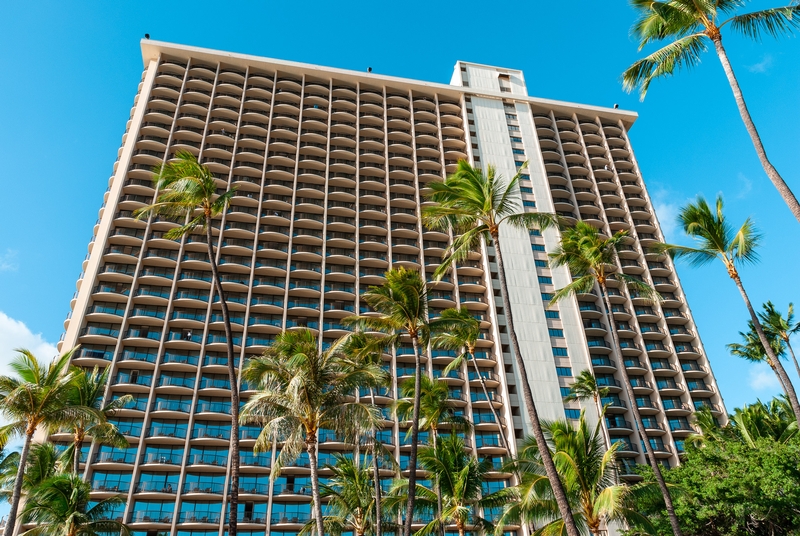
[434, 409]
[588, 472]
[188, 190]
[742, 479]
[473, 204]
[690, 26]
[61, 506]
[303, 389]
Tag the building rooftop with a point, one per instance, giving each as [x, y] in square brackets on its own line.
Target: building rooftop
[152, 50]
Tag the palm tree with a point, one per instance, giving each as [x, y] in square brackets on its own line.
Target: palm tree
[752, 350]
[301, 390]
[363, 348]
[464, 334]
[434, 410]
[401, 304]
[62, 506]
[717, 240]
[351, 503]
[461, 477]
[44, 462]
[773, 421]
[585, 388]
[588, 470]
[188, 192]
[474, 205]
[88, 392]
[690, 26]
[38, 395]
[593, 261]
[782, 326]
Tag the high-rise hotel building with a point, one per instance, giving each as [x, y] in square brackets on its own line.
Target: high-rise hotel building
[330, 169]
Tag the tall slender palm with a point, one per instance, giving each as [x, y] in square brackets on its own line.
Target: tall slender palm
[463, 335]
[302, 390]
[588, 470]
[38, 395]
[350, 499]
[716, 239]
[435, 409]
[88, 392]
[363, 348]
[401, 306]
[593, 261]
[188, 192]
[62, 506]
[585, 387]
[689, 26]
[461, 477]
[751, 349]
[475, 206]
[782, 326]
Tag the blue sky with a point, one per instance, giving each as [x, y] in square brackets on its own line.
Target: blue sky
[72, 68]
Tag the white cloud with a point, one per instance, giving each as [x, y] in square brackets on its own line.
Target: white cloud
[8, 261]
[746, 186]
[761, 378]
[762, 66]
[667, 211]
[15, 334]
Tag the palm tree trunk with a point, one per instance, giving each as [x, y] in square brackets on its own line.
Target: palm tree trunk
[17, 493]
[311, 448]
[491, 406]
[76, 452]
[376, 475]
[527, 396]
[233, 499]
[772, 173]
[794, 358]
[412, 457]
[778, 366]
[648, 448]
[435, 435]
[602, 416]
[783, 385]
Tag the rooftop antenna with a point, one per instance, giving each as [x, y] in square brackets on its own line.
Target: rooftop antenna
[616, 106]
[147, 36]
[369, 69]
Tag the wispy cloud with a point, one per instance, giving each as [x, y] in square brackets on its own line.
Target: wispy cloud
[761, 378]
[746, 185]
[667, 211]
[8, 261]
[762, 66]
[15, 334]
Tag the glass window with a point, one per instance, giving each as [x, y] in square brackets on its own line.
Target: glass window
[152, 511]
[554, 332]
[200, 512]
[158, 482]
[537, 247]
[111, 481]
[572, 413]
[564, 371]
[561, 352]
[551, 314]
